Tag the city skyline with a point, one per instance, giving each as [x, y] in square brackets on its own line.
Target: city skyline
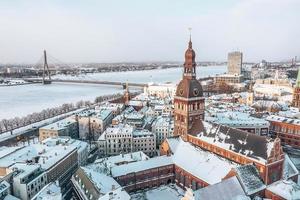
[135, 31]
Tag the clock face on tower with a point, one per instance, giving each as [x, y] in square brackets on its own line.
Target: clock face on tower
[196, 92]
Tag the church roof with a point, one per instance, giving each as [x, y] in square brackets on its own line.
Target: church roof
[248, 144]
[205, 165]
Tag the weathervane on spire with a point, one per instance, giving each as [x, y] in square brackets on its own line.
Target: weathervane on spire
[190, 42]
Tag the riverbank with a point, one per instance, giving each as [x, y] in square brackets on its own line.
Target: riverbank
[24, 133]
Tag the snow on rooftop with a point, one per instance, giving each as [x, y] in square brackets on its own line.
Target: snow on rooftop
[24, 169]
[10, 197]
[119, 129]
[289, 190]
[48, 154]
[103, 182]
[4, 151]
[202, 164]
[289, 168]
[50, 191]
[99, 113]
[165, 192]
[248, 144]
[162, 121]
[118, 194]
[250, 179]
[4, 185]
[237, 119]
[141, 165]
[228, 189]
[102, 165]
[142, 133]
[276, 118]
[62, 124]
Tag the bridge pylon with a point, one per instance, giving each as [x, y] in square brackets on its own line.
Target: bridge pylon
[46, 71]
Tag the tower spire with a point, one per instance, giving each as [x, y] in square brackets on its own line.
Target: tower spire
[190, 42]
[190, 63]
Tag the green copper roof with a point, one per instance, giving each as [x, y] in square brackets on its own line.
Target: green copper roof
[298, 79]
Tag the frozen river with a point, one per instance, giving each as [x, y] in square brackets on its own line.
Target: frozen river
[25, 99]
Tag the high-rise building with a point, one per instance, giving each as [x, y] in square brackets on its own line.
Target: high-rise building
[296, 94]
[235, 60]
[189, 100]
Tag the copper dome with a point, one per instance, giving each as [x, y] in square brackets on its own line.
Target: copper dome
[189, 88]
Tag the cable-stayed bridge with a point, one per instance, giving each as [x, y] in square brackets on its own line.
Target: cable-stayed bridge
[48, 64]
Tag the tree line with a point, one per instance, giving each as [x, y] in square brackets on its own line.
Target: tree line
[7, 125]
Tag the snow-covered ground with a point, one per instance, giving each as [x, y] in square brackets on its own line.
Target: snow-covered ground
[165, 192]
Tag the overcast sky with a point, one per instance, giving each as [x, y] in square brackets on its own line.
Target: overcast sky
[148, 30]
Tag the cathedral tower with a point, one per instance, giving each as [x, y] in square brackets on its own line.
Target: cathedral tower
[189, 100]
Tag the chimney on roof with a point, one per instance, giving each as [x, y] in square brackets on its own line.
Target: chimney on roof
[111, 195]
[113, 187]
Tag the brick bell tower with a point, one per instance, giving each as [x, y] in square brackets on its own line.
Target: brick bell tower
[188, 100]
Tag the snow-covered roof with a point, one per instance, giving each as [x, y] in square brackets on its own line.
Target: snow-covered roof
[289, 168]
[162, 122]
[253, 146]
[266, 104]
[286, 189]
[228, 189]
[98, 185]
[275, 118]
[104, 165]
[142, 133]
[120, 129]
[250, 179]
[48, 155]
[203, 164]
[118, 194]
[141, 165]
[50, 191]
[237, 119]
[103, 114]
[4, 185]
[134, 116]
[110, 106]
[10, 197]
[25, 169]
[4, 151]
[62, 124]
[165, 192]
[103, 182]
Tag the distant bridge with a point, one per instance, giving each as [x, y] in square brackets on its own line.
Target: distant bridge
[47, 79]
[116, 83]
